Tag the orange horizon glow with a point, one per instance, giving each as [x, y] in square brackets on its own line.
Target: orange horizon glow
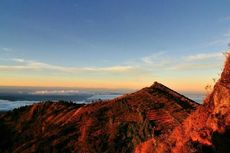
[183, 86]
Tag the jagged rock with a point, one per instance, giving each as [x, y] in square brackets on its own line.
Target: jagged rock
[207, 130]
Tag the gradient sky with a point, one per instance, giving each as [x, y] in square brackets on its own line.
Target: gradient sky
[113, 43]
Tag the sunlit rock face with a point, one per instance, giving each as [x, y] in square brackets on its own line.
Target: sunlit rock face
[220, 99]
[207, 130]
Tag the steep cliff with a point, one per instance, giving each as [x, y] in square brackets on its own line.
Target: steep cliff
[207, 130]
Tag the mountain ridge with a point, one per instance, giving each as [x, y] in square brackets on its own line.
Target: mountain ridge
[117, 125]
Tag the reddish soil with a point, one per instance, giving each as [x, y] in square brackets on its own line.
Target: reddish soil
[118, 125]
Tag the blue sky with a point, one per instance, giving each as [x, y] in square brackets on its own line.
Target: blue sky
[117, 44]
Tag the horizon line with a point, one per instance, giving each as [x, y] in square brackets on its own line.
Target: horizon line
[102, 88]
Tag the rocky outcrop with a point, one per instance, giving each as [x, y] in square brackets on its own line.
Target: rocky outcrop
[118, 126]
[207, 130]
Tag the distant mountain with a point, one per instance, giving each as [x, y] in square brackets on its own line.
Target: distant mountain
[121, 125]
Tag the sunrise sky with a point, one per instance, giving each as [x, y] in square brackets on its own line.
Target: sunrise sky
[113, 43]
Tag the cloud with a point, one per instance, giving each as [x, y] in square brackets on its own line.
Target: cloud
[55, 92]
[192, 66]
[31, 65]
[164, 62]
[109, 69]
[204, 56]
[6, 49]
[158, 59]
[18, 60]
[152, 58]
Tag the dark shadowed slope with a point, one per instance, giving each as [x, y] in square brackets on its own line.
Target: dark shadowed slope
[114, 126]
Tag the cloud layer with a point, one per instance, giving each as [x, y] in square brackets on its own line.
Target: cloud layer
[30, 65]
[136, 73]
[55, 92]
[164, 61]
[156, 61]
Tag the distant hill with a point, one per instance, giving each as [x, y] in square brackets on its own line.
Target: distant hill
[120, 125]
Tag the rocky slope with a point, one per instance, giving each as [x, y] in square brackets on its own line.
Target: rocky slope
[207, 130]
[121, 125]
